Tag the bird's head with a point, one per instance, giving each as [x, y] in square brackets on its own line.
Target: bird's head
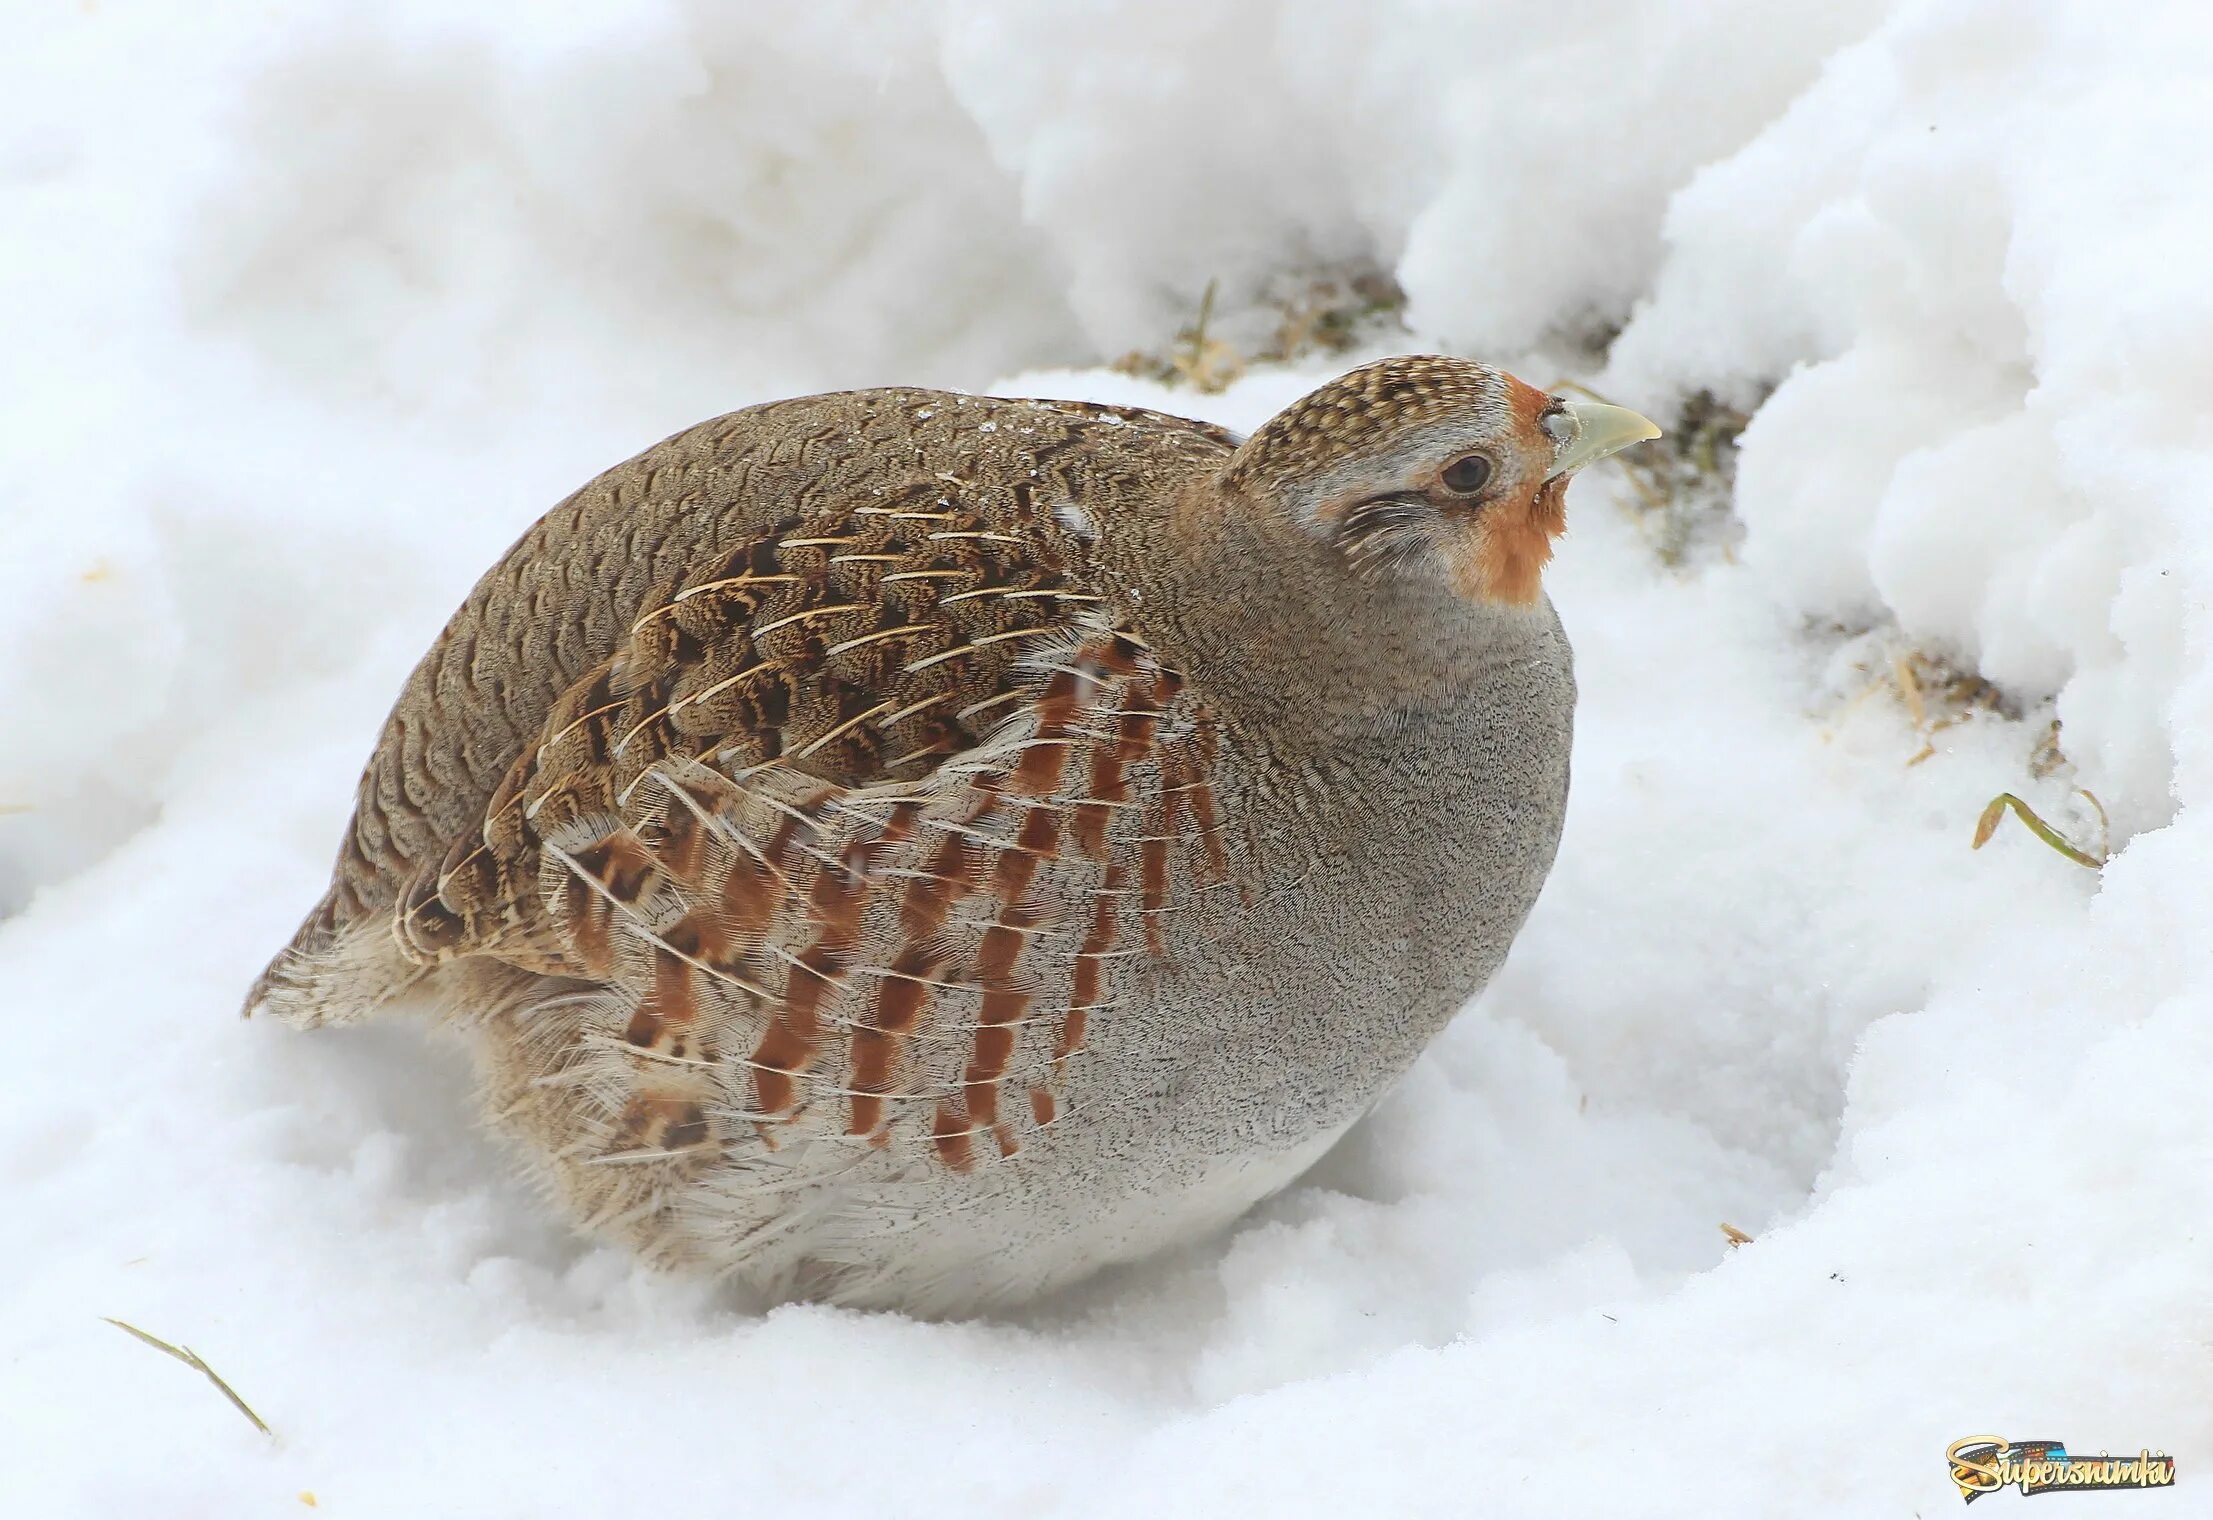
[1431, 467]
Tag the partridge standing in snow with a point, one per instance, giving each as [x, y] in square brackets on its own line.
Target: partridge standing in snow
[914, 849]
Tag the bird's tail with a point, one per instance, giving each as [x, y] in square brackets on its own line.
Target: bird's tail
[334, 971]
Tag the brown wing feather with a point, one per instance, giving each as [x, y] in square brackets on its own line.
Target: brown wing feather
[854, 829]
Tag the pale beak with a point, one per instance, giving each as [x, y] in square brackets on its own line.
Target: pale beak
[1600, 430]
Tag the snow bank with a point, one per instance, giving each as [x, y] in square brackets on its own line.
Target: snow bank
[1973, 232]
[311, 314]
[1462, 146]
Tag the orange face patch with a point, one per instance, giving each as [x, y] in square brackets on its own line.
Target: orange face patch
[1503, 552]
[1501, 555]
[1525, 404]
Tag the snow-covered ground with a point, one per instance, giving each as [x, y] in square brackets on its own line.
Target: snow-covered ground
[309, 311]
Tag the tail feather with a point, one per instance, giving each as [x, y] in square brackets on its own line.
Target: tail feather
[333, 971]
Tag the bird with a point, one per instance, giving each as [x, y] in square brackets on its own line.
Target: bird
[911, 850]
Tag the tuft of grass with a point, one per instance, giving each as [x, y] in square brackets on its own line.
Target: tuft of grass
[2047, 757]
[1685, 482]
[1194, 359]
[191, 1358]
[1992, 815]
[1936, 695]
[1734, 1236]
[1330, 312]
[1323, 313]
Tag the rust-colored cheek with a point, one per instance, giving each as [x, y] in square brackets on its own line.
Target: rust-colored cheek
[1501, 555]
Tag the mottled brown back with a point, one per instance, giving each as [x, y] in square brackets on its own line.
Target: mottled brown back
[810, 733]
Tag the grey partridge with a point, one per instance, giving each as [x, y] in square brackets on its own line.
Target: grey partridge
[913, 849]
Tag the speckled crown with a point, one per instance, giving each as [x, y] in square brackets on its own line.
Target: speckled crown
[1391, 395]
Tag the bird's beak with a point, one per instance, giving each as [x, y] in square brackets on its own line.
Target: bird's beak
[1600, 430]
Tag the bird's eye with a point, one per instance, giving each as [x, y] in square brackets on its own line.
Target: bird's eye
[1468, 474]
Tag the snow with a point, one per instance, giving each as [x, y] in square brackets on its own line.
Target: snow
[310, 312]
